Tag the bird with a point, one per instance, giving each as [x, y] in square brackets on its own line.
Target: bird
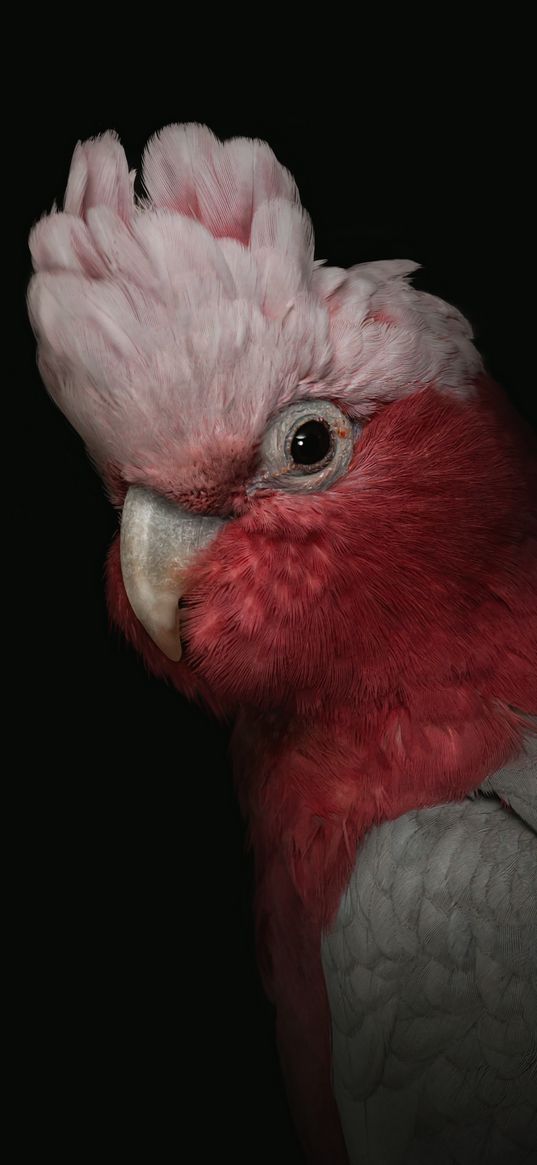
[328, 535]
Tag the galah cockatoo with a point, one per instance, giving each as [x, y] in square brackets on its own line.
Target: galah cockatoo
[328, 534]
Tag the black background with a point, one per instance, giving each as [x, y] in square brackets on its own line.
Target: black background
[143, 1022]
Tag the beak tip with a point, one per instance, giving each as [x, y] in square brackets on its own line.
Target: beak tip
[168, 641]
[173, 653]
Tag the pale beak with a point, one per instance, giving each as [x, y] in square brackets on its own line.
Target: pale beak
[159, 541]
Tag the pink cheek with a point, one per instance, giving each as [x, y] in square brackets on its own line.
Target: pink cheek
[206, 626]
[257, 640]
[316, 586]
[251, 616]
[220, 624]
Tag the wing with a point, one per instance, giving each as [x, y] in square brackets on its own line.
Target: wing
[431, 972]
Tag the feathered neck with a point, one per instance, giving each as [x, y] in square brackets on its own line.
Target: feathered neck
[310, 787]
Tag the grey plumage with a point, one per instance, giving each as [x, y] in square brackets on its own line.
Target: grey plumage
[431, 972]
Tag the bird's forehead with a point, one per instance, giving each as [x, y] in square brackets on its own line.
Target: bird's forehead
[196, 403]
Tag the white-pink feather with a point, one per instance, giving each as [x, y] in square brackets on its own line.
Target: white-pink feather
[203, 306]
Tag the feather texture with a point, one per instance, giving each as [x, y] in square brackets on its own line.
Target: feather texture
[186, 169]
[430, 970]
[213, 280]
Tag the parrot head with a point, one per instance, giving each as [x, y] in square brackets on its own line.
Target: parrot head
[323, 497]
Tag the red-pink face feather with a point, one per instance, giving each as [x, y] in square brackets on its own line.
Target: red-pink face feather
[173, 330]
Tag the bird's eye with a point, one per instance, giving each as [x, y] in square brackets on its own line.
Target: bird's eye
[306, 447]
[311, 443]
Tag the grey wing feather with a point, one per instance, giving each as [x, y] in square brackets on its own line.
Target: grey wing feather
[431, 973]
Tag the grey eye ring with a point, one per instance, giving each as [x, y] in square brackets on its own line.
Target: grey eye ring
[306, 447]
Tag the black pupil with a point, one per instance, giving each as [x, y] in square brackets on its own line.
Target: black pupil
[310, 443]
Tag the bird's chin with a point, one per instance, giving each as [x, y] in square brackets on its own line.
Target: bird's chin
[186, 675]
